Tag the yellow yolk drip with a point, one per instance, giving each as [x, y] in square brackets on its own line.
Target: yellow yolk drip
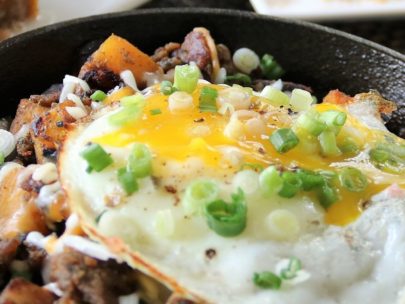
[178, 136]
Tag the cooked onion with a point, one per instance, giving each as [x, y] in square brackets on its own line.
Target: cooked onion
[129, 79]
[7, 142]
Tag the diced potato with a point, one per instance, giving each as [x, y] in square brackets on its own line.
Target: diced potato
[18, 212]
[27, 111]
[117, 55]
[20, 291]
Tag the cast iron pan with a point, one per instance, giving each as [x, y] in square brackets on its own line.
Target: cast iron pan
[317, 56]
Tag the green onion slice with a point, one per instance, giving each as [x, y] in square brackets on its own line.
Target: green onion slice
[310, 180]
[334, 119]
[388, 157]
[238, 78]
[270, 181]
[227, 219]
[353, 179]
[284, 140]
[294, 265]
[140, 161]
[348, 146]
[267, 280]
[327, 140]
[310, 122]
[292, 184]
[2, 158]
[208, 100]
[98, 96]
[166, 87]
[186, 77]
[270, 67]
[132, 110]
[127, 180]
[97, 158]
[155, 111]
[327, 195]
[274, 96]
[198, 194]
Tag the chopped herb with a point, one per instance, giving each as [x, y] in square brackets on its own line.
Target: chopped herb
[270, 67]
[238, 78]
[155, 112]
[97, 158]
[208, 100]
[98, 96]
[267, 280]
[284, 140]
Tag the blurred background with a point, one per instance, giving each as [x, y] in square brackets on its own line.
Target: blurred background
[382, 21]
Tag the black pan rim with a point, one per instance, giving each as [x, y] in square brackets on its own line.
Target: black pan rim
[9, 43]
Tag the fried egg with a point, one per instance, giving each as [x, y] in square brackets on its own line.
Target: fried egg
[351, 252]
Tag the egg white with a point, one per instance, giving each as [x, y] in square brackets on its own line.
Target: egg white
[360, 263]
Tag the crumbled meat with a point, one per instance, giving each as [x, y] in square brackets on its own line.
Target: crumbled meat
[225, 59]
[170, 189]
[20, 291]
[167, 56]
[8, 250]
[101, 79]
[195, 49]
[46, 100]
[86, 280]
[259, 84]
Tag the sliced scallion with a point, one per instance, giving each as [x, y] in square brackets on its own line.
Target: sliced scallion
[327, 195]
[292, 184]
[155, 111]
[300, 100]
[198, 194]
[284, 140]
[294, 265]
[186, 77]
[270, 67]
[334, 119]
[267, 280]
[166, 87]
[348, 146]
[310, 122]
[238, 78]
[310, 180]
[353, 179]
[270, 181]
[140, 161]
[127, 181]
[97, 158]
[208, 100]
[2, 158]
[274, 96]
[227, 219]
[327, 140]
[98, 96]
[132, 109]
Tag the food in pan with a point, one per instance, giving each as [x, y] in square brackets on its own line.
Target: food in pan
[219, 186]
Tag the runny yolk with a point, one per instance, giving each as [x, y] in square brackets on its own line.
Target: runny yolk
[180, 135]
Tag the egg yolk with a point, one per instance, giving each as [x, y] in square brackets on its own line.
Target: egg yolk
[191, 133]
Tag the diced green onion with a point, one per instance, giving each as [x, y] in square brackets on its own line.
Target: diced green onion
[208, 100]
[97, 158]
[334, 119]
[98, 217]
[284, 140]
[2, 158]
[127, 181]
[270, 181]
[292, 184]
[310, 180]
[238, 78]
[300, 100]
[274, 96]
[294, 266]
[327, 195]
[329, 176]
[186, 77]
[198, 194]
[353, 179]
[166, 87]
[348, 146]
[98, 96]
[270, 67]
[327, 140]
[132, 110]
[388, 157]
[227, 219]
[267, 280]
[140, 161]
[310, 122]
[155, 111]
